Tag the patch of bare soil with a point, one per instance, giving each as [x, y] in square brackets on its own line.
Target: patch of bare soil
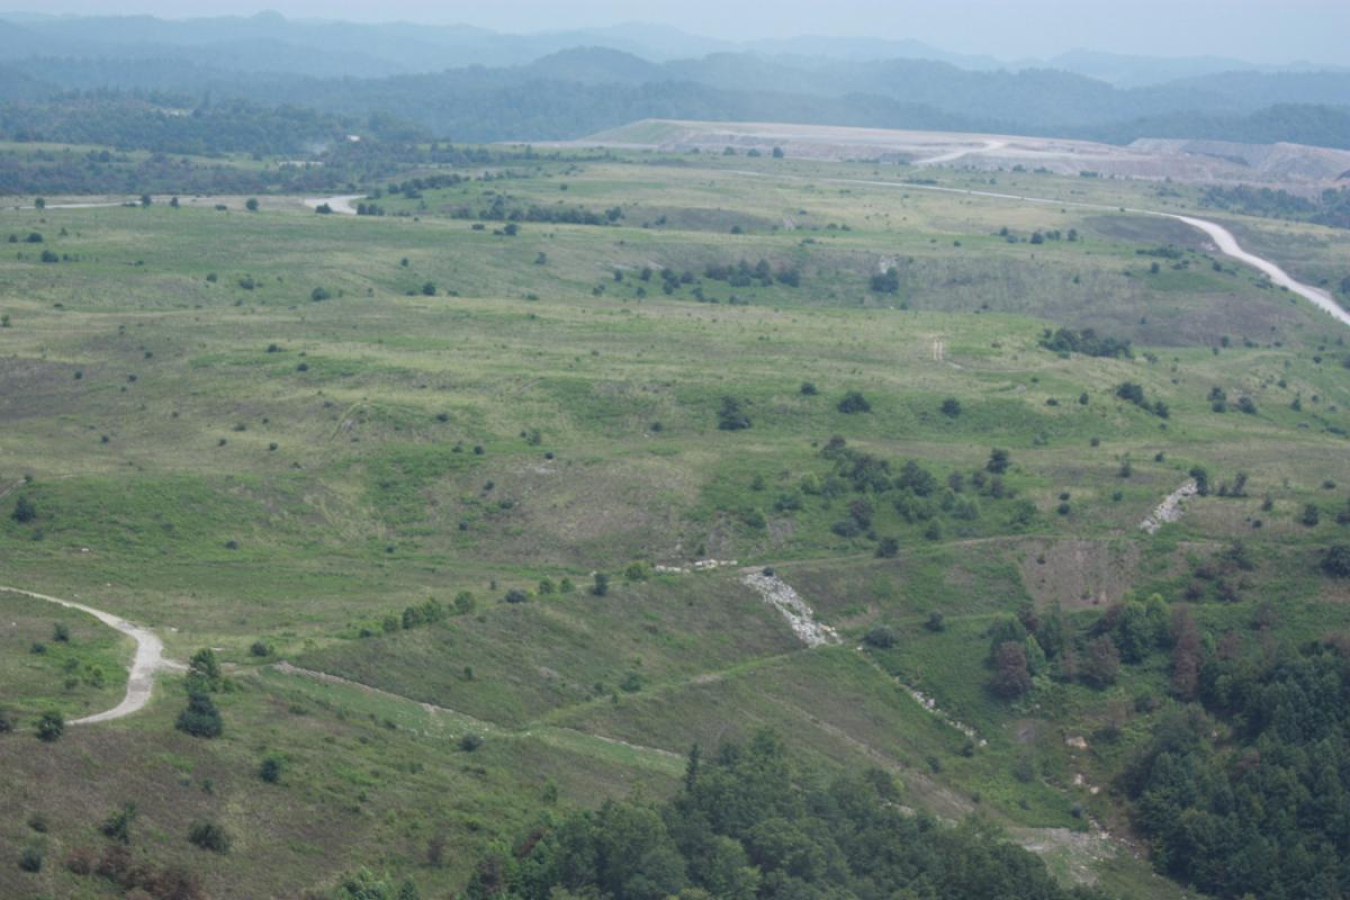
[1078, 574]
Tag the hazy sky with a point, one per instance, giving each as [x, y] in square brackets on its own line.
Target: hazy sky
[1259, 30]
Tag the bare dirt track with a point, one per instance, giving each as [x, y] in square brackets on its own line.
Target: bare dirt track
[148, 661]
[1224, 241]
[1296, 167]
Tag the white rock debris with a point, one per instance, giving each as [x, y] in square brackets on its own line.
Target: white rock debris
[1170, 509]
[779, 594]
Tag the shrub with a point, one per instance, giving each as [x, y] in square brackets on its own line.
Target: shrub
[999, 461]
[888, 548]
[808, 389]
[1011, 676]
[854, 402]
[951, 407]
[51, 726]
[429, 289]
[470, 742]
[1336, 561]
[6, 721]
[320, 294]
[24, 511]
[936, 622]
[260, 649]
[881, 637]
[30, 860]
[516, 595]
[117, 827]
[60, 633]
[209, 836]
[601, 585]
[201, 718]
[270, 770]
[730, 416]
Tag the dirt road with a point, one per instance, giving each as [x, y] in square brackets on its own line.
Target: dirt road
[1222, 237]
[148, 661]
[953, 155]
[341, 205]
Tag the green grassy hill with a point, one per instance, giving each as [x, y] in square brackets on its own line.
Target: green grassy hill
[272, 433]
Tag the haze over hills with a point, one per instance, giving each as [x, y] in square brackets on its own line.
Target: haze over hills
[401, 48]
[472, 84]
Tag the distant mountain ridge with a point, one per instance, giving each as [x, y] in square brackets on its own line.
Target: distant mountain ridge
[556, 86]
[373, 50]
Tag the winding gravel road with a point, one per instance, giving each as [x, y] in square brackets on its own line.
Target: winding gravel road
[149, 658]
[342, 205]
[1224, 241]
[953, 155]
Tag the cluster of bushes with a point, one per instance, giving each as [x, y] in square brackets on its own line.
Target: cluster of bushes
[885, 282]
[1029, 645]
[1218, 402]
[118, 866]
[1128, 390]
[743, 275]
[501, 210]
[428, 612]
[1332, 207]
[1087, 342]
[918, 496]
[747, 825]
[202, 718]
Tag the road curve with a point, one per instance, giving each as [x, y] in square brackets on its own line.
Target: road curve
[953, 155]
[1228, 246]
[1222, 237]
[149, 658]
[342, 205]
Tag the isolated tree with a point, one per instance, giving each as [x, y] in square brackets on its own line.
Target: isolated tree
[730, 417]
[40, 203]
[117, 827]
[209, 836]
[24, 511]
[600, 587]
[201, 718]
[854, 402]
[1336, 561]
[1011, 677]
[1101, 667]
[270, 770]
[145, 200]
[1185, 654]
[251, 204]
[999, 460]
[204, 670]
[887, 282]
[951, 407]
[51, 726]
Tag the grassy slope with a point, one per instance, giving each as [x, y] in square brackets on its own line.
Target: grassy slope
[191, 521]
